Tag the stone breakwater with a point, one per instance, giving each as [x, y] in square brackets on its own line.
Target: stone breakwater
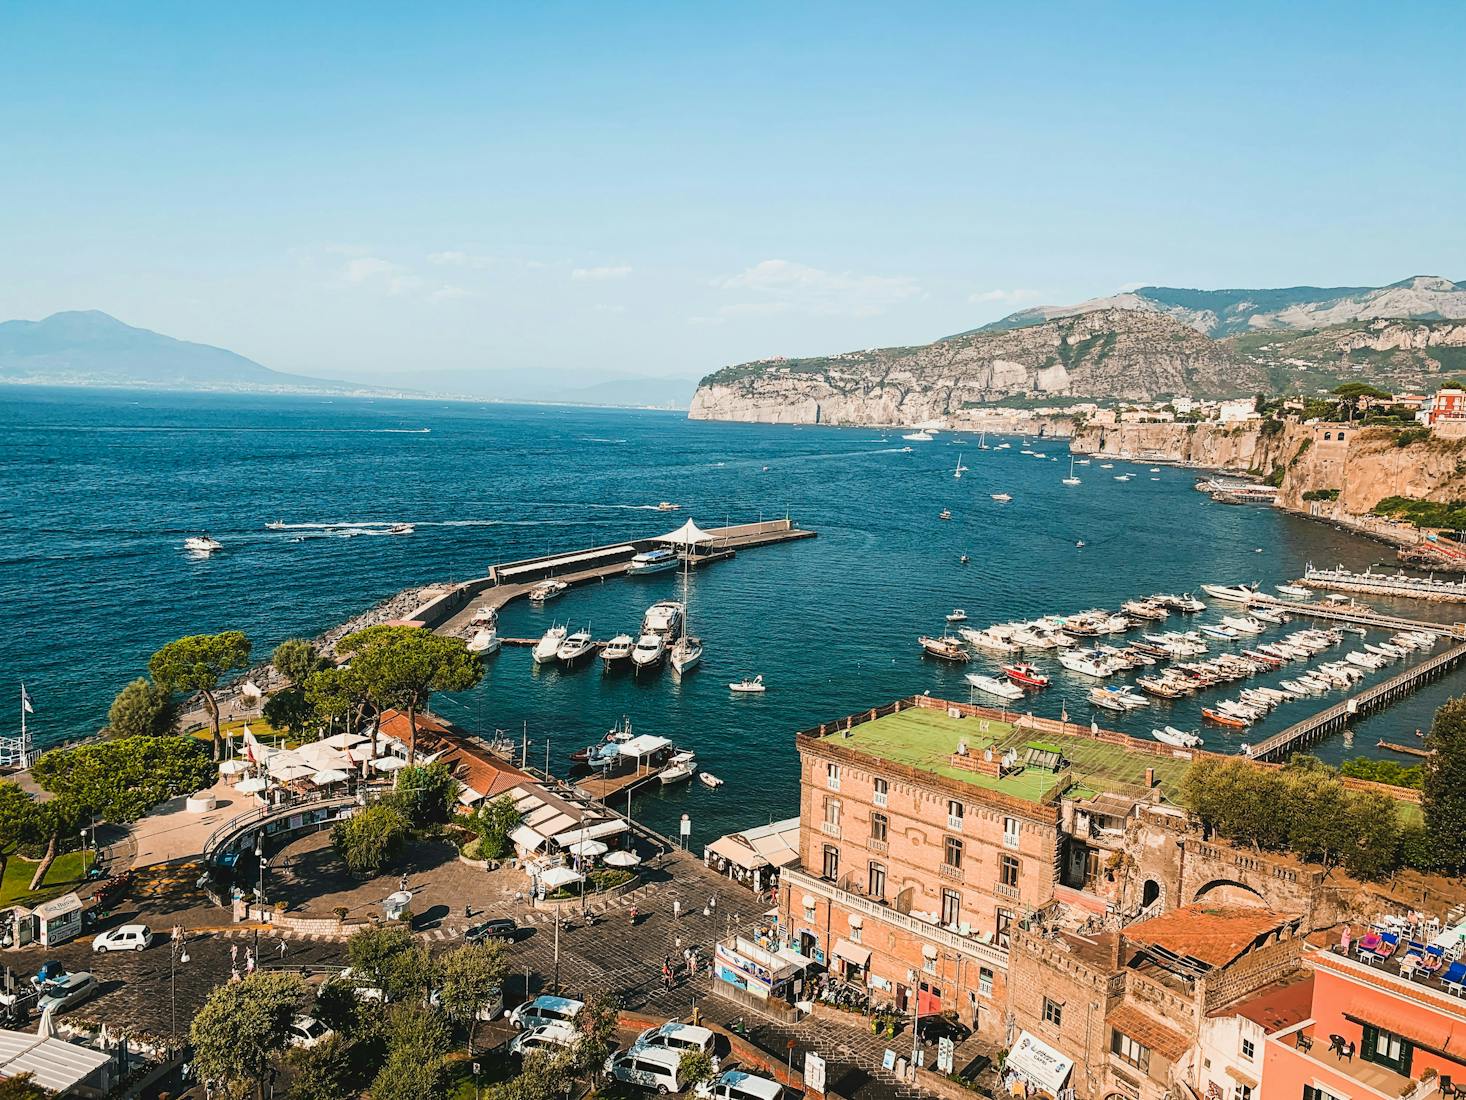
[398, 606]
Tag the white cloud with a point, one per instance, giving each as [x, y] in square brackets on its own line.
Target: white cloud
[786, 286]
[458, 258]
[602, 307]
[377, 273]
[619, 271]
[1004, 297]
[449, 293]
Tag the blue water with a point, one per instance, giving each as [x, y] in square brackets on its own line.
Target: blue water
[99, 488]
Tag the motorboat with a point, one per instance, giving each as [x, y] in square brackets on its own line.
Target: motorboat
[1088, 663]
[548, 647]
[991, 685]
[746, 686]
[708, 779]
[1030, 637]
[1122, 477]
[1267, 614]
[957, 615]
[668, 506]
[1102, 697]
[963, 560]
[1244, 624]
[1363, 660]
[1297, 591]
[1224, 719]
[1026, 675]
[401, 529]
[1226, 633]
[1145, 609]
[679, 770]
[202, 544]
[1232, 593]
[686, 653]
[918, 437]
[1002, 498]
[617, 649]
[1170, 735]
[575, 646]
[946, 513]
[1163, 687]
[275, 525]
[988, 640]
[487, 615]
[653, 561]
[485, 640]
[547, 590]
[1107, 465]
[664, 618]
[945, 649]
[649, 650]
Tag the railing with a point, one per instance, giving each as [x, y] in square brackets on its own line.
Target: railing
[946, 870]
[262, 815]
[830, 828]
[1004, 890]
[878, 845]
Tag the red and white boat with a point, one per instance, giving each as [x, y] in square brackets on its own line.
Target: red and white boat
[1025, 675]
[1223, 719]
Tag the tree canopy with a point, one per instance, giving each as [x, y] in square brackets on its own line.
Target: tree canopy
[470, 975]
[123, 778]
[494, 821]
[142, 709]
[243, 1026]
[1444, 789]
[198, 663]
[295, 659]
[372, 837]
[401, 666]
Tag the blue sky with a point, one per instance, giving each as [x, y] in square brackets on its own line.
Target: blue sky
[392, 192]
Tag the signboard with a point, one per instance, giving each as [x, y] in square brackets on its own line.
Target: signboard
[888, 1060]
[946, 1054]
[814, 1072]
[1038, 1063]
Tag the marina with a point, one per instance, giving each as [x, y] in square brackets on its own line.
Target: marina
[1385, 584]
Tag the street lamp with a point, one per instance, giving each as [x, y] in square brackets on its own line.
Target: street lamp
[259, 890]
[177, 954]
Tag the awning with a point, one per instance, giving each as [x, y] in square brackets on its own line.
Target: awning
[599, 831]
[329, 776]
[58, 907]
[525, 837]
[852, 953]
[1241, 1078]
[556, 877]
[734, 852]
[54, 1064]
[777, 843]
[1039, 1063]
[789, 955]
[468, 796]
[689, 534]
[644, 744]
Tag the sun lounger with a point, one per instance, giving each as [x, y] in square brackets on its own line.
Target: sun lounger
[1388, 941]
[1433, 959]
[1454, 979]
[1369, 946]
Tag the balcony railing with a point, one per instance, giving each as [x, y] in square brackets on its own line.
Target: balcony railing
[1002, 889]
[954, 823]
[946, 870]
[877, 845]
[830, 828]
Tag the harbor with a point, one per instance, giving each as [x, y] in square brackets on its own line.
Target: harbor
[1385, 584]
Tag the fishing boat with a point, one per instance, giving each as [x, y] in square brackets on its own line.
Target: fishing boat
[202, 544]
[746, 686]
[918, 437]
[1224, 719]
[575, 647]
[617, 649]
[945, 649]
[1181, 738]
[1296, 591]
[485, 640]
[653, 561]
[708, 779]
[648, 651]
[547, 590]
[945, 513]
[956, 615]
[548, 647]
[1232, 593]
[1002, 498]
[1071, 479]
[679, 770]
[1026, 675]
[991, 685]
[401, 529]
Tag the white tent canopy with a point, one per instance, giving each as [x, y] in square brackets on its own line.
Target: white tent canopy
[54, 1063]
[689, 534]
[556, 877]
[329, 776]
[644, 745]
[389, 764]
[599, 831]
[622, 859]
[588, 849]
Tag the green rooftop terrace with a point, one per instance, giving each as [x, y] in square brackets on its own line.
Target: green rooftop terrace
[925, 739]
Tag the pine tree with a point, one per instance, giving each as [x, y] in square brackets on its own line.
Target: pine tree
[1445, 784]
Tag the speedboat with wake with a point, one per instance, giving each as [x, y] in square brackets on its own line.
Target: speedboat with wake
[202, 544]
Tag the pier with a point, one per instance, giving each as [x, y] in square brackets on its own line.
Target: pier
[1310, 731]
[1361, 616]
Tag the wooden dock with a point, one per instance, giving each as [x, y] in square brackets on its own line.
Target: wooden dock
[1311, 730]
[1407, 750]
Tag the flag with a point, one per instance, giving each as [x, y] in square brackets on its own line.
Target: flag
[251, 743]
[25, 701]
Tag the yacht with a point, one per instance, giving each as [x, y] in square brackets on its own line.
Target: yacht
[982, 440]
[988, 640]
[686, 653]
[575, 646]
[1071, 479]
[401, 529]
[202, 544]
[1244, 623]
[918, 437]
[991, 685]
[548, 647]
[1025, 675]
[1232, 593]
[617, 649]
[1002, 498]
[653, 561]
[663, 618]
[748, 687]
[485, 640]
[1087, 662]
[546, 590]
[1106, 698]
[648, 652]
[1224, 632]
[944, 648]
[1298, 592]
[956, 615]
[1172, 736]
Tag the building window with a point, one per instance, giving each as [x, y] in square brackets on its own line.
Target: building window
[1130, 1051]
[954, 814]
[1053, 1013]
[952, 852]
[832, 776]
[1385, 1048]
[855, 933]
[930, 966]
[878, 825]
[1009, 867]
[1004, 923]
[1248, 1049]
[951, 906]
[877, 880]
[1312, 1092]
[1010, 832]
[1242, 1092]
[985, 982]
[832, 812]
[832, 862]
[882, 791]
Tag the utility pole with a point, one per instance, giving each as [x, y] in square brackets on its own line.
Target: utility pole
[557, 949]
[524, 746]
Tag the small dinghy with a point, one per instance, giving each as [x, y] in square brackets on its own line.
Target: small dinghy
[708, 779]
[748, 687]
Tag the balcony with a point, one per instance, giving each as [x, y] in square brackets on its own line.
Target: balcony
[1003, 890]
[947, 871]
[830, 828]
[954, 823]
[879, 798]
[877, 845]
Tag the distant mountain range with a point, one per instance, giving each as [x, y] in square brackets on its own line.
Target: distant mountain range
[1141, 345]
[91, 348]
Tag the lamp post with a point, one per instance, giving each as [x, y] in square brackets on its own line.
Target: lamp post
[177, 953]
[83, 851]
[259, 889]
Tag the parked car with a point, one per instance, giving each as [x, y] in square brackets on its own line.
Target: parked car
[932, 1028]
[307, 1031]
[546, 1009]
[70, 990]
[735, 1084]
[125, 937]
[496, 928]
[552, 1037]
[675, 1035]
[650, 1067]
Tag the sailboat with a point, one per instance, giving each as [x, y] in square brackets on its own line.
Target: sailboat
[982, 440]
[958, 471]
[1071, 479]
[687, 650]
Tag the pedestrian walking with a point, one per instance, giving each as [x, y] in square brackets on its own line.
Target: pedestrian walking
[676, 907]
[284, 948]
[249, 962]
[713, 902]
[633, 916]
[233, 955]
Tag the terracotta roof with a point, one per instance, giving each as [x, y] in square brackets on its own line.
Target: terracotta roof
[1213, 935]
[1167, 1042]
[1286, 1002]
[471, 764]
[394, 724]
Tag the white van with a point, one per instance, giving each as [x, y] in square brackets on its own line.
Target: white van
[546, 1009]
[649, 1067]
[735, 1084]
[675, 1035]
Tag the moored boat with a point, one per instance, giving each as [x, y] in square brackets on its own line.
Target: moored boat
[485, 640]
[574, 647]
[653, 561]
[1181, 738]
[617, 649]
[708, 779]
[746, 686]
[1026, 675]
[547, 590]
[548, 647]
[991, 685]
[648, 652]
[945, 649]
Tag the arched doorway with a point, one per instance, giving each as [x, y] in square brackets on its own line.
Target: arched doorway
[1150, 893]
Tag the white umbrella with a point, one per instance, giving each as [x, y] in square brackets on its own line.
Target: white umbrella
[290, 769]
[588, 849]
[556, 877]
[233, 767]
[622, 859]
[329, 776]
[252, 786]
[344, 740]
[389, 763]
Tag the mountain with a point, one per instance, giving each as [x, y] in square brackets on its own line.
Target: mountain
[1220, 313]
[88, 347]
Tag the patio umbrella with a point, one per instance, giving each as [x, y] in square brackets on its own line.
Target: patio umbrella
[252, 786]
[622, 859]
[233, 767]
[588, 849]
[290, 770]
[344, 740]
[329, 776]
[389, 763]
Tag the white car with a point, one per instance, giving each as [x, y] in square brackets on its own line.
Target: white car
[307, 1031]
[650, 1067]
[126, 937]
[546, 1009]
[675, 1035]
[735, 1084]
[552, 1037]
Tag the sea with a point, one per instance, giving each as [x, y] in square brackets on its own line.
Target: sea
[100, 488]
